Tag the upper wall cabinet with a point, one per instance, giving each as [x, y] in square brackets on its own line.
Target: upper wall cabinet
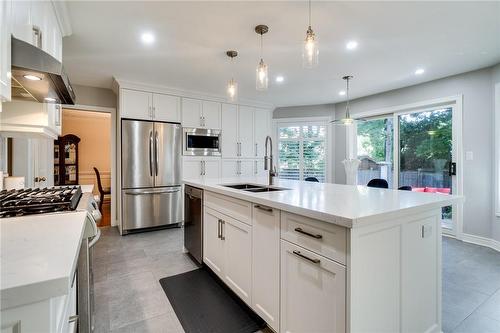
[31, 119]
[36, 22]
[244, 131]
[135, 104]
[5, 32]
[198, 113]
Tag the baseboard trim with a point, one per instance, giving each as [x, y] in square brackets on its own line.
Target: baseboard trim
[483, 241]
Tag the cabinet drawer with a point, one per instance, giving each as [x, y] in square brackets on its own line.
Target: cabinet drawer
[323, 238]
[238, 209]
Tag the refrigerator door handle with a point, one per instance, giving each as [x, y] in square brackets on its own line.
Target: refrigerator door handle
[160, 191]
[151, 153]
[157, 157]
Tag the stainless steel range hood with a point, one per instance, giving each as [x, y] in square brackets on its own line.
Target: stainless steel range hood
[49, 81]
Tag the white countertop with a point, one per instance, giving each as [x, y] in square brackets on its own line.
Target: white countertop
[38, 256]
[87, 188]
[345, 205]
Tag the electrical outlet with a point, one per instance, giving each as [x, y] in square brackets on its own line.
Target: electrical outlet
[426, 230]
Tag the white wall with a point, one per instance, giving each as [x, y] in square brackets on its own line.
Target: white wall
[94, 96]
[320, 110]
[478, 116]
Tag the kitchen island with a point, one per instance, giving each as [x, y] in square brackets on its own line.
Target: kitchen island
[312, 257]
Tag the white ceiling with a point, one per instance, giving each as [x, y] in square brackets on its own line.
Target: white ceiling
[395, 38]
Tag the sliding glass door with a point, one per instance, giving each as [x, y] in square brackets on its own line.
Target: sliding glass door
[426, 152]
[415, 150]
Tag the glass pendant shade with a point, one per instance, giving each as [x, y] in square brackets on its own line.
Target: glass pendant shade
[310, 50]
[232, 90]
[262, 77]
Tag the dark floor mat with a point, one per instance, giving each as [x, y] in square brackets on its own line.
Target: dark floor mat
[204, 304]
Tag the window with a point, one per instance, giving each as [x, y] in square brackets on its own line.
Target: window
[375, 150]
[302, 151]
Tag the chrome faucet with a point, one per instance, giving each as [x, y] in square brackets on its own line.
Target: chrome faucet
[268, 160]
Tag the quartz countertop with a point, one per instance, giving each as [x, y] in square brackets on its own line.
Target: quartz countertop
[345, 205]
[38, 256]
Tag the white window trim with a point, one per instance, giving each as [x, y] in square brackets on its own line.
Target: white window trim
[497, 149]
[330, 152]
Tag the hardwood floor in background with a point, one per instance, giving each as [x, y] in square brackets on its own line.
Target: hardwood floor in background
[106, 213]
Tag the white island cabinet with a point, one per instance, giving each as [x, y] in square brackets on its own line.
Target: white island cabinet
[325, 257]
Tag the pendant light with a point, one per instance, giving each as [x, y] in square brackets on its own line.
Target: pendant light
[232, 85]
[310, 50]
[347, 120]
[262, 77]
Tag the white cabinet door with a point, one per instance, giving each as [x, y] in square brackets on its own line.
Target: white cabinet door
[21, 21]
[245, 131]
[191, 112]
[259, 168]
[420, 278]
[192, 168]
[262, 128]
[211, 114]
[266, 264]
[229, 168]
[229, 144]
[5, 33]
[213, 244]
[312, 292]
[237, 238]
[135, 104]
[211, 168]
[246, 168]
[166, 108]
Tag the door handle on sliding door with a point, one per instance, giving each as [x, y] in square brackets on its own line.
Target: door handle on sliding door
[157, 157]
[151, 153]
[452, 168]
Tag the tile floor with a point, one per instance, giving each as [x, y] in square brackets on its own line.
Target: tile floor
[129, 297]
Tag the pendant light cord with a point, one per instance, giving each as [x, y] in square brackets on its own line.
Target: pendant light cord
[309, 13]
[347, 111]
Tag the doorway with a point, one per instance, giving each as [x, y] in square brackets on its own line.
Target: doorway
[93, 129]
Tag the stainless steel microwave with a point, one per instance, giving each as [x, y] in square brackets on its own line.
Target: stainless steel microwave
[201, 142]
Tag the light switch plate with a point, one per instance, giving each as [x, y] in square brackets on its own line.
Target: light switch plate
[469, 156]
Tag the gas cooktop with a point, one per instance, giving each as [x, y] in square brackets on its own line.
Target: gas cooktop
[39, 200]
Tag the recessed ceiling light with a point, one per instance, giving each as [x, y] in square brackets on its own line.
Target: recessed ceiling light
[280, 79]
[351, 45]
[419, 71]
[32, 77]
[49, 99]
[342, 92]
[148, 38]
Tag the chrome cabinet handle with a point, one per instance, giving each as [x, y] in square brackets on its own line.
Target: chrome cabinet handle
[153, 192]
[314, 261]
[58, 115]
[151, 153]
[154, 112]
[204, 168]
[219, 228]
[256, 154]
[264, 208]
[37, 36]
[300, 230]
[201, 168]
[157, 156]
[222, 237]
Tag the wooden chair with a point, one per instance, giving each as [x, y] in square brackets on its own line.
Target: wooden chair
[102, 191]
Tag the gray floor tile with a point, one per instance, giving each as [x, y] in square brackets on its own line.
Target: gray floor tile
[166, 323]
[491, 308]
[477, 323]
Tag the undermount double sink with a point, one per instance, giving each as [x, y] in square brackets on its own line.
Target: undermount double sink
[254, 188]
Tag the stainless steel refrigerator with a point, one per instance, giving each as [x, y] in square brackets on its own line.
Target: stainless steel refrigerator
[151, 174]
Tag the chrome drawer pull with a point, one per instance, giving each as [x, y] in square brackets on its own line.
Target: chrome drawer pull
[267, 209]
[317, 236]
[314, 261]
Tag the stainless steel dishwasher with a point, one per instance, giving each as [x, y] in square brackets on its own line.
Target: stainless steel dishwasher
[193, 222]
